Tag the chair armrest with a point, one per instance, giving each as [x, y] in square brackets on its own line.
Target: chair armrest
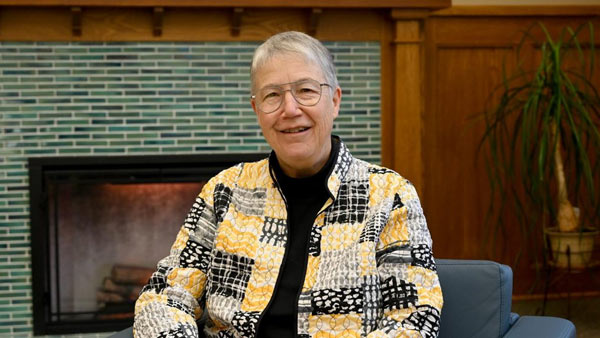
[542, 327]
[513, 318]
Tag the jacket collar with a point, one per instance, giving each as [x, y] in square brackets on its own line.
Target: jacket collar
[338, 173]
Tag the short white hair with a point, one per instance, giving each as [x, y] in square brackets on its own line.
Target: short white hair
[294, 43]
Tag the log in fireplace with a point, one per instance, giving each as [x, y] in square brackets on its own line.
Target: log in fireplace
[99, 225]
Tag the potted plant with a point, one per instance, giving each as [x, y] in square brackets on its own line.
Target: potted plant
[543, 144]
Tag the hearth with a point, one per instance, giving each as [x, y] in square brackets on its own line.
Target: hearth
[99, 225]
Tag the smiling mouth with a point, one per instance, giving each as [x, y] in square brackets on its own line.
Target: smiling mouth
[294, 130]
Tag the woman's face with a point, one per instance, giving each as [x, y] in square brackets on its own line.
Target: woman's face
[299, 135]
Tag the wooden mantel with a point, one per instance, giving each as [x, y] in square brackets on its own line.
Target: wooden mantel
[236, 3]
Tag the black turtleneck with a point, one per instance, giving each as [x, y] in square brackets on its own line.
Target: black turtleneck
[304, 197]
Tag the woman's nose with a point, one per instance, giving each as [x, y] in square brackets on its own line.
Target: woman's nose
[290, 105]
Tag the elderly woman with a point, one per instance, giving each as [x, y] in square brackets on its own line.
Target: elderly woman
[310, 242]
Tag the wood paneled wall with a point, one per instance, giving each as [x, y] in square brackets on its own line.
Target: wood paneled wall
[466, 49]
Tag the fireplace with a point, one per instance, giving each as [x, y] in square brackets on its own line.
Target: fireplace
[99, 225]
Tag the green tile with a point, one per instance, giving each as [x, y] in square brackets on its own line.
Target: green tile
[175, 135]
[9, 267]
[47, 115]
[173, 64]
[71, 79]
[143, 149]
[178, 106]
[121, 56]
[105, 93]
[191, 127]
[143, 78]
[140, 92]
[123, 128]
[121, 114]
[123, 100]
[107, 107]
[141, 121]
[125, 143]
[88, 57]
[18, 72]
[209, 134]
[6, 79]
[108, 150]
[38, 137]
[55, 100]
[159, 142]
[192, 141]
[190, 85]
[92, 143]
[225, 141]
[67, 151]
[187, 71]
[157, 128]
[157, 85]
[89, 115]
[71, 50]
[173, 78]
[72, 122]
[16, 274]
[89, 85]
[204, 50]
[243, 148]
[75, 136]
[179, 149]
[18, 101]
[205, 64]
[122, 71]
[37, 123]
[108, 136]
[107, 121]
[208, 78]
[105, 50]
[173, 50]
[139, 49]
[141, 135]
[39, 151]
[21, 86]
[210, 148]
[106, 79]
[255, 140]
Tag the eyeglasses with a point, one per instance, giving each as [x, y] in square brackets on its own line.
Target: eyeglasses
[306, 92]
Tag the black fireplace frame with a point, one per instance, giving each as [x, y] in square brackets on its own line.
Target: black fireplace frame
[106, 169]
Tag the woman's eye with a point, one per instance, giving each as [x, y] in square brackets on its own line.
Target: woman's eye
[270, 95]
[307, 90]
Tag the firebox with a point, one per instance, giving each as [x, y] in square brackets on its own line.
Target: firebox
[99, 225]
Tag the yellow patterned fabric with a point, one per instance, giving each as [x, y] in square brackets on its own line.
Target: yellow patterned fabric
[370, 270]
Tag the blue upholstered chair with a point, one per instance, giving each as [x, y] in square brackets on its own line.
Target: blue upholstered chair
[477, 303]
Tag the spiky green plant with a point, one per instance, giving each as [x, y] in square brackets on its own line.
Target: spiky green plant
[542, 139]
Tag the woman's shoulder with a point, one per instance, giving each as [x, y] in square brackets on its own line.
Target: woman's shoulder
[244, 173]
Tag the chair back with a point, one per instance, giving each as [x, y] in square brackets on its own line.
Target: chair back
[477, 298]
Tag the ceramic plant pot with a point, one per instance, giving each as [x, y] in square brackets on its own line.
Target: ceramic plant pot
[580, 246]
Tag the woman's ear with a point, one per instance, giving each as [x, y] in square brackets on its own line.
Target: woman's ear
[253, 104]
[337, 100]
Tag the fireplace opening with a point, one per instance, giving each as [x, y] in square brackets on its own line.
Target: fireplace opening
[99, 225]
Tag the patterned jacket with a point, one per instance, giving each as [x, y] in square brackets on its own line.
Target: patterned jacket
[370, 270]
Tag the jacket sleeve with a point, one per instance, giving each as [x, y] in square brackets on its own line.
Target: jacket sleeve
[411, 296]
[170, 304]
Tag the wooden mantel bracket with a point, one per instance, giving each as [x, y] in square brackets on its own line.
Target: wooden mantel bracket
[157, 21]
[236, 21]
[76, 21]
[313, 21]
